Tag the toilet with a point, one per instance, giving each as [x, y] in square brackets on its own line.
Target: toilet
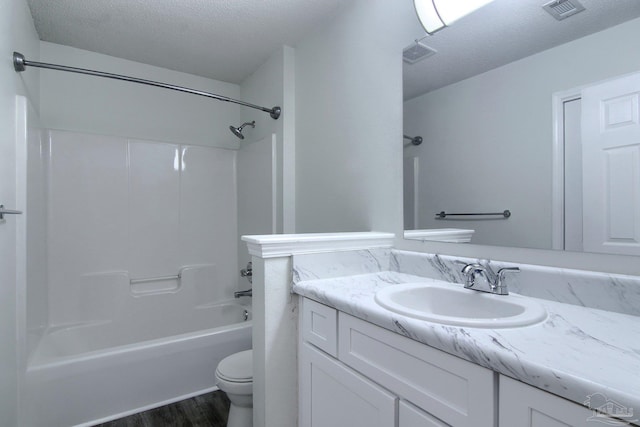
[234, 376]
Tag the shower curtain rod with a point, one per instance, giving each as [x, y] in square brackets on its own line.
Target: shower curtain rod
[20, 63]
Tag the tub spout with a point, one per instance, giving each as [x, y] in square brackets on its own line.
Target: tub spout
[246, 293]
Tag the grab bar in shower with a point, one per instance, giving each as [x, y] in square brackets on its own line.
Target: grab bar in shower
[155, 279]
[443, 214]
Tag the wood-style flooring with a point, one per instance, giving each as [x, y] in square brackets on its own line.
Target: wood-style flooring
[207, 410]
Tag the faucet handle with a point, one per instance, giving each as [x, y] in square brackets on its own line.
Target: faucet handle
[248, 272]
[500, 287]
[504, 270]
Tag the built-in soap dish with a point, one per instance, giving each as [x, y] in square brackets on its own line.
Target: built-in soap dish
[155, 285]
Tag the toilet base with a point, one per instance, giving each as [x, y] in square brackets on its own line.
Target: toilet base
[240, 416]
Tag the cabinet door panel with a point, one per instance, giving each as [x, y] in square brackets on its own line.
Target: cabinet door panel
[319, 326]
[332, 395]
[454, 390]
[411, 416]
[527, 406]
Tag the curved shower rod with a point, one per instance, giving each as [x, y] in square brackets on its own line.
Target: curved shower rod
[20, 63]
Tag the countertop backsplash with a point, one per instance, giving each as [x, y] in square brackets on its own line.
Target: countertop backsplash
[611, 292]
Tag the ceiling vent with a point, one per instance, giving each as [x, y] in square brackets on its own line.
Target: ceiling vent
[417, 52]
[562, 9]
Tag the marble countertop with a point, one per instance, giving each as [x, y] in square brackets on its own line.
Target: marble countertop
[575, 353]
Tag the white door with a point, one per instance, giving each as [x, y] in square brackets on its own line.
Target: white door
[611, 166]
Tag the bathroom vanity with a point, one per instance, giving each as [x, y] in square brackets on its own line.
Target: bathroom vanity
[354, 373]
[361, 364]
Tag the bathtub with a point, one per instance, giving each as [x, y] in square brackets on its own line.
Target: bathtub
[85, 375]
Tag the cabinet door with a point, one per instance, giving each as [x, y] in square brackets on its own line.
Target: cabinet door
[412, 416]
[524, 405]
[319, 326]
[455, 391]
[332, 395]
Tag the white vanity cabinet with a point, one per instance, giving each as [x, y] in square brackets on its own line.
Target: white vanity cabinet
[354, 373]
[374, 374]
[524, 405]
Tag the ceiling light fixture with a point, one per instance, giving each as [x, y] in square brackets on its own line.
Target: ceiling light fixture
[435, 15]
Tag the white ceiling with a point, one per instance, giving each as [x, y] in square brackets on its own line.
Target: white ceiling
[229, 39]
[221, 39]
[502, 32]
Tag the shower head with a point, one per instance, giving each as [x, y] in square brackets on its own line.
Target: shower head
[237, 131]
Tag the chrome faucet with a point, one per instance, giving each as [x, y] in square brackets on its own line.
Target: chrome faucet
[248, 273]
[470, 271]
[498, 287]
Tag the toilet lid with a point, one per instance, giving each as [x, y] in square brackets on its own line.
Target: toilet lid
[237, 367]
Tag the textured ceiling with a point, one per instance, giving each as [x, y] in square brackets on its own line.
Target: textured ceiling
[502, 32]
[221, 39]
[229, 39]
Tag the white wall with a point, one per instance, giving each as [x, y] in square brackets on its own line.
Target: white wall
[109, 107]
[488, 139]
[272, 84]
[17, 33]
[256, 172]
[348, 120]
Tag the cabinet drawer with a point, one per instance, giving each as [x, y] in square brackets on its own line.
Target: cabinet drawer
[320, 326]
[455, 391]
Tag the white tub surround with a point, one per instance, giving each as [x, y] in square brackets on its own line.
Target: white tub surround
[135, 245]
[577, 351]
[275, 315]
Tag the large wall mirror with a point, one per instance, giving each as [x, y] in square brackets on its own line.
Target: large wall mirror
[522, 112]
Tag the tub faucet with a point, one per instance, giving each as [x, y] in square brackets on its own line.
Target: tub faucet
[247, 272]
[247, 293]
[497, 286]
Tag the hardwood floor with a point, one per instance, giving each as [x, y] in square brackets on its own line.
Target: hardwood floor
[207, 410]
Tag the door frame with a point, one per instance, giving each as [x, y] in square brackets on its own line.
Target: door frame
[557, 181]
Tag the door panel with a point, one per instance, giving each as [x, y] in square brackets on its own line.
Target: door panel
[611, 166]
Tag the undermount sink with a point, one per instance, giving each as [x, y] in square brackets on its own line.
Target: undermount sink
[451, 304]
